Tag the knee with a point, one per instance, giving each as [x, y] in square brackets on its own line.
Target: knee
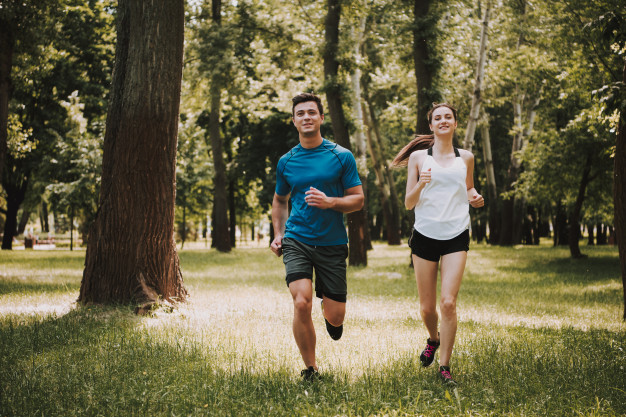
[448, 307]
[302, 305]
[335, 317]
[428, 310]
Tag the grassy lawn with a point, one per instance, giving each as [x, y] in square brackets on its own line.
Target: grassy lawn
[539, 334]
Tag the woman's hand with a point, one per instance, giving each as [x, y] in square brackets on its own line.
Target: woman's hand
[424, 178]
[476, 200]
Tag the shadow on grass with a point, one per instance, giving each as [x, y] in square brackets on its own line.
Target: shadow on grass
[101, 361]
[22, 287]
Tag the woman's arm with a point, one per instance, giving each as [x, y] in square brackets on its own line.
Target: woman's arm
[476, 200]
[415, 183]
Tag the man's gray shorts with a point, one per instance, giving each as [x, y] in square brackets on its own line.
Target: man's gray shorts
[329, 263]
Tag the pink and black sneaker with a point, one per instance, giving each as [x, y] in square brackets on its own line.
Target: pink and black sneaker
[445, 376]
[428, 354]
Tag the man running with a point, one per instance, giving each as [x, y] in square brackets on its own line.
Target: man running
[321, 180]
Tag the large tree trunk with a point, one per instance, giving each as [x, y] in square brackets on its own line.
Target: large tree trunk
[357, 221]
[574, 218]
[15, 194]
[619, 194]
[478, 82]
[131, 255]
[425, 65]
[492, 191]
[6, 62]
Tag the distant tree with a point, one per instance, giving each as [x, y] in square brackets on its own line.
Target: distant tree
[357, 221]
[425, 60]
[131, 255]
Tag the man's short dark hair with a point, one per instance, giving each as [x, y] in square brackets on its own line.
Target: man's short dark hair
[303, 98]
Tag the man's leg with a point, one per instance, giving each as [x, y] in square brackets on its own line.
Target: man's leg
[452, 267]
[334, 311]
[303, 330]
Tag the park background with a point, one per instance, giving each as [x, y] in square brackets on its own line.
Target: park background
[154, 128]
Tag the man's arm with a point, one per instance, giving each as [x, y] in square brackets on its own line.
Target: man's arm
[280, 213]
[352, 200]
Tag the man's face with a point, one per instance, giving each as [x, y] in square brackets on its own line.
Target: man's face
[307, 118]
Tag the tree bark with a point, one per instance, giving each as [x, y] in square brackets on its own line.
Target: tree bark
[357, 221]
[6, 62]
[425, 64]
[15, 194]
[477, 97]
[619, 193]
[131, 255]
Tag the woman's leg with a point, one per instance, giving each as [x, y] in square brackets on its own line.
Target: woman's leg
[452, 268]
[426, 277]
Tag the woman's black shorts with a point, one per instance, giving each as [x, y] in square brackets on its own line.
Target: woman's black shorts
[433, 249]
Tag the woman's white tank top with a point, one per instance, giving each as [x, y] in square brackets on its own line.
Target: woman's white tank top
[442, 211]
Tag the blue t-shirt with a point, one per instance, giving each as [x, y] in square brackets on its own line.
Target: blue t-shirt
[331, 169]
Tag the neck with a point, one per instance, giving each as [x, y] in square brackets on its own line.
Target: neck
[309, 142]
[443, 144]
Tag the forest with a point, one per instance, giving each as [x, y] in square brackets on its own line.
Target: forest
[538, 85]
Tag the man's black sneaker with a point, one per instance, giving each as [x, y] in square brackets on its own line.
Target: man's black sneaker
[445, 376]
[335, 332]
[428, 354]
[310, 374]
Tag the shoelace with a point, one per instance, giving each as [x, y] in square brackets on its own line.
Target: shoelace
[446, 374]
[430, 349]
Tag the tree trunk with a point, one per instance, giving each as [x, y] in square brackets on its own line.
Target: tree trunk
[425, 64]
[6, 62]
[574, 219]
[478, 82]
[591, 235]
[619, 194]
[15, 195]
[601, 234]
[71, 228]
[561, 232]
[131, 255]
[45, 224]
[220, 233]
[387, 183]
[492, 191]
[21, 227]
[232, 214]
[357, 221]
[183, 232]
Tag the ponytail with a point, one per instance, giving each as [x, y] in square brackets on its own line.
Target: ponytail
[420, 142]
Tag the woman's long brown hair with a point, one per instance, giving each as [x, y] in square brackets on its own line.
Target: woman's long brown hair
[420, 141]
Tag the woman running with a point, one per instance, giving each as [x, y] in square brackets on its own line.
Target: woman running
[440, 188]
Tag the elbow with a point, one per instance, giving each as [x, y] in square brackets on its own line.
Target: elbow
[361, 202]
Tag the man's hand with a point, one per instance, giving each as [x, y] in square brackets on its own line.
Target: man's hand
[277, 245]
[316, 198]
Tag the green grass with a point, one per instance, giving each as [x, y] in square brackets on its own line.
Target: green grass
[539, 335]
